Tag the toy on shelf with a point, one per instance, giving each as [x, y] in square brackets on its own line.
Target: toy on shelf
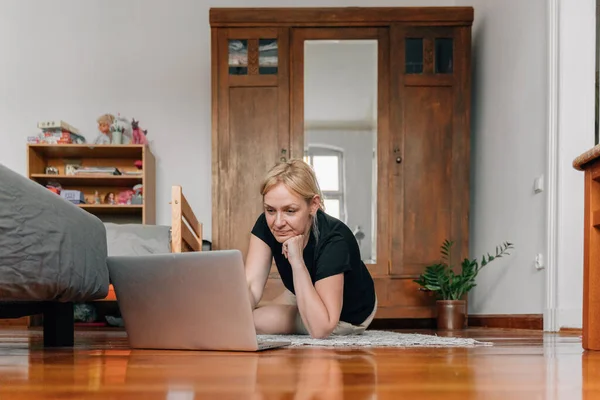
[125, 197]
[117, 134]
[110, 198]
[54, 187]
[56, 132]
[114, 130]
[139, 136]
[104, 127]
[138, 194]
[50, 170]
[74, 196]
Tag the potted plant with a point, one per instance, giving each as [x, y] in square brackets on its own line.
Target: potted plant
[451, 287]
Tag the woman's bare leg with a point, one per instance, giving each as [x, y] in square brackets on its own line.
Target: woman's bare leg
[278, 316]
[275, 319]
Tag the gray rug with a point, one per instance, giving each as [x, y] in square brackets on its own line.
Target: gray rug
[372, 338]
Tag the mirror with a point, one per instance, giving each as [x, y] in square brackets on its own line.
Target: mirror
[340, 132]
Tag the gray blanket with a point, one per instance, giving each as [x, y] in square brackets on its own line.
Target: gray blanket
[50, 249]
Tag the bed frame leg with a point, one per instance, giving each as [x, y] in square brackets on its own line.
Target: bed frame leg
[59, 324]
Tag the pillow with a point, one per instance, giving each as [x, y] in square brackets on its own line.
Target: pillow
[137, 239]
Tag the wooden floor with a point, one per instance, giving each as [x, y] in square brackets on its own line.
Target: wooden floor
[520, 365]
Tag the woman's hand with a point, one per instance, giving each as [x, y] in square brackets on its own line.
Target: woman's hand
[293, 248]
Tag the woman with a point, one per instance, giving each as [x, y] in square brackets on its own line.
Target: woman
[328, 288]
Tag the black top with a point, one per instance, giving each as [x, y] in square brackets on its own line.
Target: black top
[336, 252]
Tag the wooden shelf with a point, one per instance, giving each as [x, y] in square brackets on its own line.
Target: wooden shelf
[122, 157]
[87, 180]
[132, 209]
[88, 150]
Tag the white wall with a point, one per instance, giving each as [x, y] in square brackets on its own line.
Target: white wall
[510, 119]
[148, 59]
[576, 135]
[508, 152]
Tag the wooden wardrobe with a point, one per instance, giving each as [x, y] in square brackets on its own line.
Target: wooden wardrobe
[422, 134]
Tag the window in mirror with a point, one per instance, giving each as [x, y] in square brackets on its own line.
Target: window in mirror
[443, 55]
[328, 165]
[328, 171]
[340, 132]
[238, 57]
[267, 56]
[414, 55]
[332, 207]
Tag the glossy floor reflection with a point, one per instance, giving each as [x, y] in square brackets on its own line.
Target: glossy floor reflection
[520, 365]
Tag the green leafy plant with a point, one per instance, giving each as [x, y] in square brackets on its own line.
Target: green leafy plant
[448, 285]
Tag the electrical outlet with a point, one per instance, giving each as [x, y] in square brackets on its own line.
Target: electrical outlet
[539, 262]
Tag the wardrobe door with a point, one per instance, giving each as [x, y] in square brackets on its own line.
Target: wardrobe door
[430, 149]
[250, 125]
[340, 125]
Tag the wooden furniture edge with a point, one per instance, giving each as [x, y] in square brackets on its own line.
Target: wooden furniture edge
[186, 231]
[589, 162]
[226, 16]
[584, 159]
[149, 188]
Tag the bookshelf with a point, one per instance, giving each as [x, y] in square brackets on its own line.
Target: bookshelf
[121, 157]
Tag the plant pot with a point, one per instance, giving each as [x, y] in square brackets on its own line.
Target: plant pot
[451, 314]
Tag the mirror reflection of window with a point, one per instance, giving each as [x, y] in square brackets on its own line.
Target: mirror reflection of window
[328, 165]
[340, 131]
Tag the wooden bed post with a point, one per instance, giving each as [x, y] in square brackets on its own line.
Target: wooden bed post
[176, 222]
[186, 231]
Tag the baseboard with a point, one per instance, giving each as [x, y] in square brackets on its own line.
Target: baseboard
[576, 331]
[509, 321]
[403, 323]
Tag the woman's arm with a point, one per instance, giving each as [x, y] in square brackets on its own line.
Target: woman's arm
[258, 265]
[319, 305]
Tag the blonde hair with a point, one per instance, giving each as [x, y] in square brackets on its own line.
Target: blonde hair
[299, 178]
[107, 119]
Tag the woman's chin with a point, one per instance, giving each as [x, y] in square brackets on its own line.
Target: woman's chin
[282, 237]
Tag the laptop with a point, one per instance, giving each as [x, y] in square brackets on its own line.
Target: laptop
[186, 301]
